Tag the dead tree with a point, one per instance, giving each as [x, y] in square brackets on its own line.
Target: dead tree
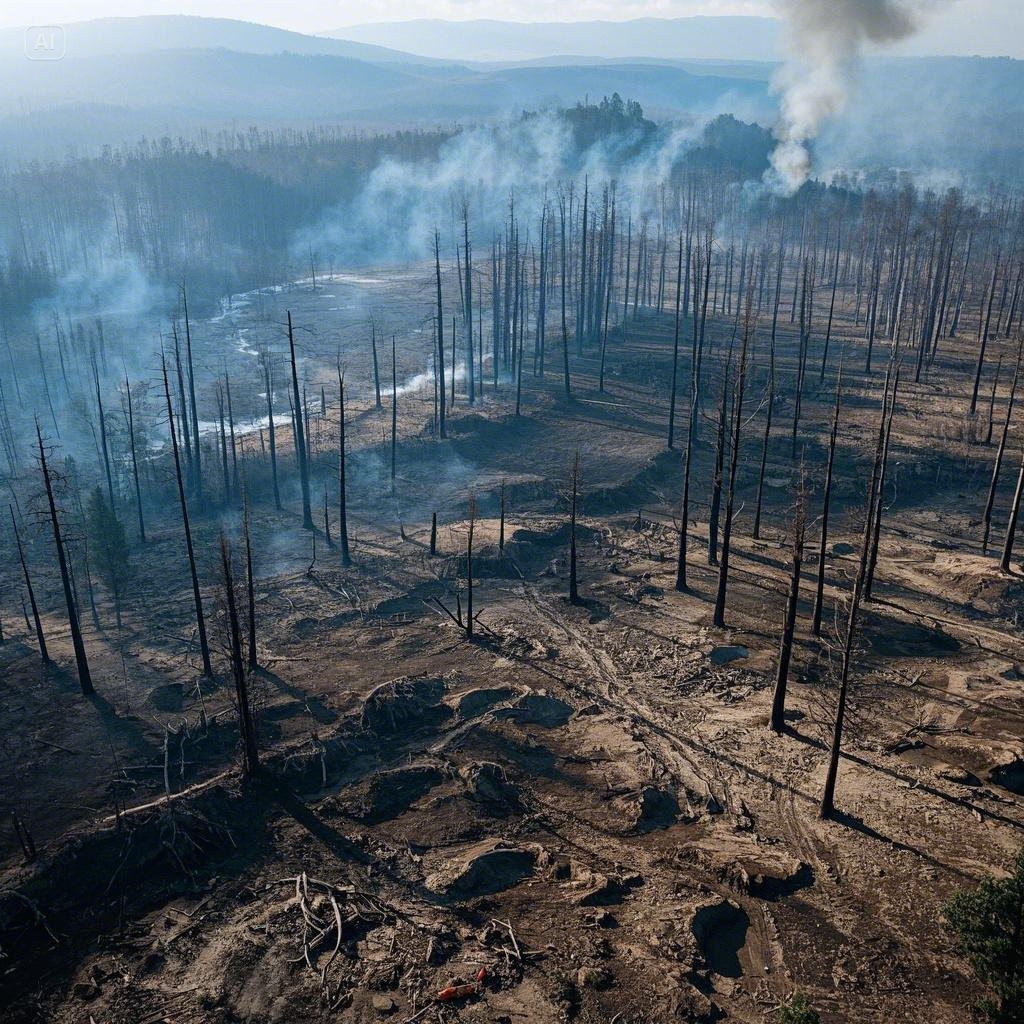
[827, 806]
[300, 437]
[268, 384]
[346, 560]
[876, 528]
[767, 437]
[250, 586]
[675, 348]
[468, 296]
[778, 717]
[135, 462]
[197, 466]
[204, 646]
[719, 468]
[440, 338]
[105, 448]
[82, 662]
[433, 534]
[819, 595]
[501, 520]
[1001, 451]
[394, 415]
[469, 569]
[36, 620]
[246, 723]
[376, 363]
[574, 483]
[734, 456]
[1011, 526]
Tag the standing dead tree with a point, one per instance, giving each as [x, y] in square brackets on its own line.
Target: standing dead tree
[827, 806]
[574, 485]
[734, 456]
[204, 646]
[36, 620]
[250, 586]
[819, 595]
[797, 534]
[346, 559]
[1001, 451]
[300, 436]
[246, 722]
[81, 661]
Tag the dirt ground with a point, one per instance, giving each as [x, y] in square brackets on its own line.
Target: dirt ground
[579, 815]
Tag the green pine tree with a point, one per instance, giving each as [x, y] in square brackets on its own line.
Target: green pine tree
[989, 922]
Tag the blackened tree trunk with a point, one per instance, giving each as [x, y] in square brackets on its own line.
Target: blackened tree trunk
[719, 470]
[1011, 526]
[778, 717]
[876, 528]
[197, 464]
[468, 296]
[1001, 451]
[734, 456]
[819, 596]
[346, 560]
[250, 588]
[300, 436]
[246, 723]
[501, 520]
[574, 483]
[469, 569]
[433, 534]
[103, 437]
[394, 414]
[204, 646]
[37, 622]
[767, 436]
[440, 338]
[268, 383]
[135, 460]
[827, 806]
[675, 348]
[376, 362]
[82, 662]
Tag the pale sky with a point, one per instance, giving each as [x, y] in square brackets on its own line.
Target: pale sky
[985, 27]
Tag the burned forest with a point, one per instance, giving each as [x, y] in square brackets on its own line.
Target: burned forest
[563, 569]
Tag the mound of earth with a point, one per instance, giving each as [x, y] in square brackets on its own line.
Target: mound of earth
[488, 867]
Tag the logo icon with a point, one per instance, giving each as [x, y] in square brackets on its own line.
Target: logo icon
[45, 42]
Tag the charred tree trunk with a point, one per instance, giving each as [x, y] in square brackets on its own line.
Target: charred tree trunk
[826, 499]
[1000, 452]
[204, 646]
[440, 344]
[778, 717]
[44, 654]
[250, 588]
[734, 457]
[346, 560]
[82, 662]
[246, 724]
[827, 806]
[574, 483]
[135, 460]
[300, 435]
[675, 348]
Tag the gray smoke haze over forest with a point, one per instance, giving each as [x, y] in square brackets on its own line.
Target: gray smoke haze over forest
[827, 38]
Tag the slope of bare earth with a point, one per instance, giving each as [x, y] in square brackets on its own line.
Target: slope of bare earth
[580, 814]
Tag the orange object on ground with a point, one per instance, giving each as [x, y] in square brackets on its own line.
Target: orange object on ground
[446, 995]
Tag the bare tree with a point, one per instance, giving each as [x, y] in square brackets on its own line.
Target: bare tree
[246, 724]
[81, 661]
[300, 437]
[797, 534]
[37, 622]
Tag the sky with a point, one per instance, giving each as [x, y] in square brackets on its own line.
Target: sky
[985, 27]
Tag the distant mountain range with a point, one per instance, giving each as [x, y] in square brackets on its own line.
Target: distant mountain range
[953, 30]
[122, 79]
[705, 38]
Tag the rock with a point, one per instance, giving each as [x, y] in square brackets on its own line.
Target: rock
[537, 709]
[382, 1003]
[727, 654]
[486, 868]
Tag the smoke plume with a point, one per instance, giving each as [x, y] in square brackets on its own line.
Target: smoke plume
[827, 37]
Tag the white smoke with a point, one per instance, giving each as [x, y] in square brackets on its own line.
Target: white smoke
[826, 39]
